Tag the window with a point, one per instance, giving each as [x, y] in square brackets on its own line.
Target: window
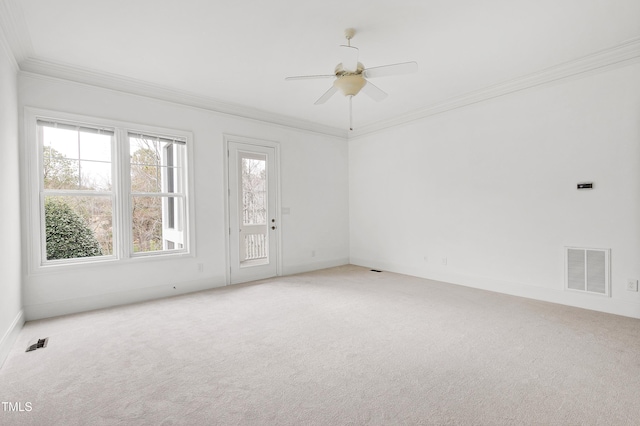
[77, 190]
[108, 192]
[157, 192]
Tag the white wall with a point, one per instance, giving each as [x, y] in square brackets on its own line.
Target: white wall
[11, 318]
[314, 187]
[491, 187]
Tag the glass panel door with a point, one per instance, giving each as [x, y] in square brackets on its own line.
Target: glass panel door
[252, 212]
[253, 209]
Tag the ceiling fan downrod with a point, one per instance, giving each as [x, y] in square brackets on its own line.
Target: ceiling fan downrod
[349, 33]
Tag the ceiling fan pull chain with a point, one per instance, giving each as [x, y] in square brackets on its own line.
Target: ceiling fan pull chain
[350, 113]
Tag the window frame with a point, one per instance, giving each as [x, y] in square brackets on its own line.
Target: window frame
[163, 193]
[66, 192]
[121, 191]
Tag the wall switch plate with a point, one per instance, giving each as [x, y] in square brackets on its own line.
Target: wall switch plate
[632, 285]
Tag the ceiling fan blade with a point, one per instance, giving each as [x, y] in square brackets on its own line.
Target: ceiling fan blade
[349, 55]
[393, 69]
[374, 92]
[324, 98]
[309, 77]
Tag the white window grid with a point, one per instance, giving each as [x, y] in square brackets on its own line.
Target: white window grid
[121, 193]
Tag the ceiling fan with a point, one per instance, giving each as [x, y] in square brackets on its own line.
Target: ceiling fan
[351, 76]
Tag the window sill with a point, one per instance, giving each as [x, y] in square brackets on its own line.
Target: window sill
[107, 262]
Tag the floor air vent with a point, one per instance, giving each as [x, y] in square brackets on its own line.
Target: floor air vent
[587, 270]
[40, 344]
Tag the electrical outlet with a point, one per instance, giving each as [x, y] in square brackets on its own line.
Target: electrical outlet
[313, 253]
[632, 285]
[426, 259]
[200, 267]
[444, 261]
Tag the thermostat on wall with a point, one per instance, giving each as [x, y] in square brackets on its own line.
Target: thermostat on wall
[585, 185]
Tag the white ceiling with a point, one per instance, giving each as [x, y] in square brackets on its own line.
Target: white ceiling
[239, 52]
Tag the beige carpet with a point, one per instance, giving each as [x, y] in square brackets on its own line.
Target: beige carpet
[339, 346]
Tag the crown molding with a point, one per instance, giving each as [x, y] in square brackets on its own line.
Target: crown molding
[6, 48]
[50, 69]
[14, 27]
[16, 39]
[621, 55]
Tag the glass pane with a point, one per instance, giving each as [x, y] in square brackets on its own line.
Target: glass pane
[59, 172]
[61, 142]
[145, 178]
[172, 180]
[254, 192]
[78, 226]
[156, 166]
[144, 151]
[155, 223]
[173, 154]
[255, 246]
[95, 175]
[94, 146]
[62, 164]
[174, 213]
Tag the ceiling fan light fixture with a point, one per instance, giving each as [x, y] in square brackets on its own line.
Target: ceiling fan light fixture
[351, 76]
[350, 85]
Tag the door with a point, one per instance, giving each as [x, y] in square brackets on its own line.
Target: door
[253, 233]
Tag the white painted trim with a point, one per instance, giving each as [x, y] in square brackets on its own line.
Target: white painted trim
[617, 56]
[10, 336]
[6, 48]
[227, 218]
[16, 34]
[39, 67]
[31, 161]
[227, 137]
[314, 266]
[120, 298]
[18, 39]
[582, 300]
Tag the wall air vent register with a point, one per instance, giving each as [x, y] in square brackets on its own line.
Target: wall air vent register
[587, 270]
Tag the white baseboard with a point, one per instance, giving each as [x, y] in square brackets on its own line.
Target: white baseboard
[89, 303]
[10, 336]
[314, 266]
[559, 296]
[83, 304]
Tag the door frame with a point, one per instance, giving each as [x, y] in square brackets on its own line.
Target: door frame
[228, 138]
